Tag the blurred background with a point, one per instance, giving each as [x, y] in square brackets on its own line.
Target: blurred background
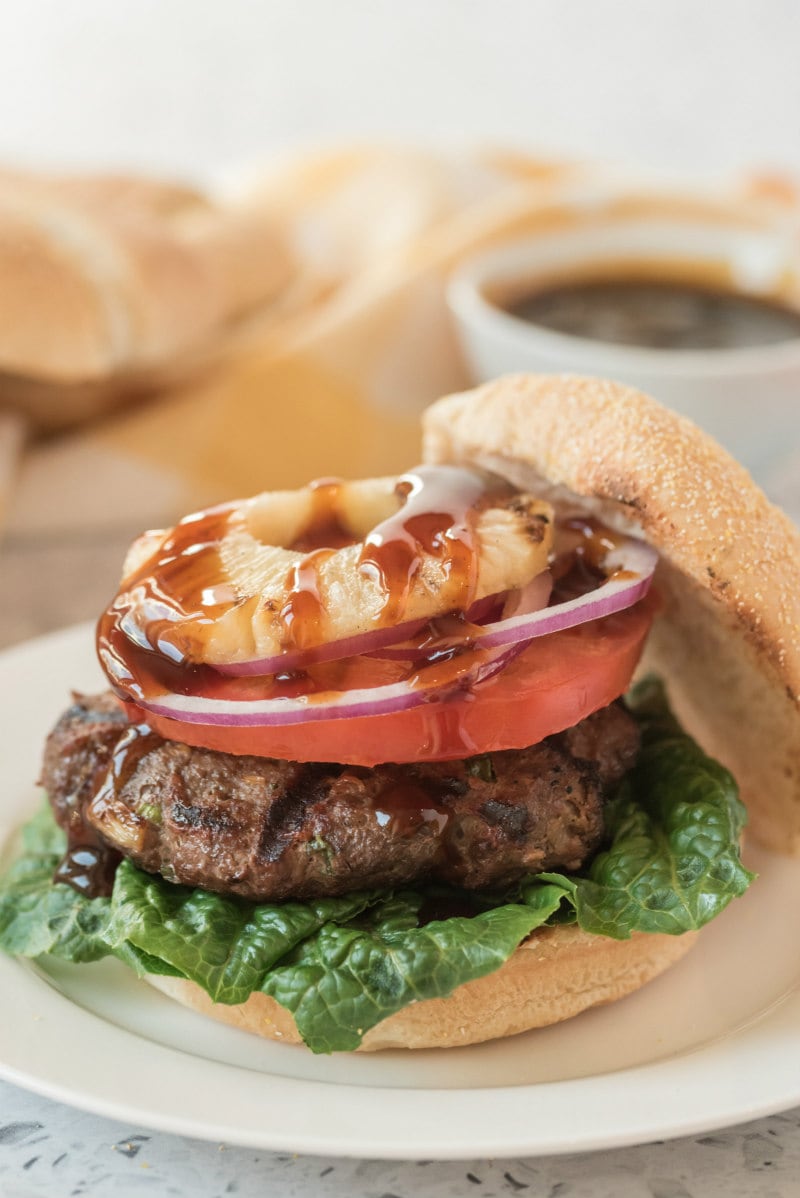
[274, 309]
[199, 87]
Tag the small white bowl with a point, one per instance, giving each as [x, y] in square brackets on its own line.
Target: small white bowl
[748, 398]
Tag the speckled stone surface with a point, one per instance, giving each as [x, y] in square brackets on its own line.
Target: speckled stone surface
[51, 1150]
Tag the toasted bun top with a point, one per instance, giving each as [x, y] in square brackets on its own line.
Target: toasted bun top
[728, 639]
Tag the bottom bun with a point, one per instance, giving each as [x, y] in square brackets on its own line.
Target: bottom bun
[555, 974]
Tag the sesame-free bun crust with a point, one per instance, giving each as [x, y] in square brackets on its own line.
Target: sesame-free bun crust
[728, 639]
[555, 974]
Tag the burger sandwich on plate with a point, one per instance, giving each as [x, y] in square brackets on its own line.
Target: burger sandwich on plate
[373, 771]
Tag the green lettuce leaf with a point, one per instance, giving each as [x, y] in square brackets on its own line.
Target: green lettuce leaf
[38, 918]
[675, 824]
[344, 980]
[342, 965]
[225, 945]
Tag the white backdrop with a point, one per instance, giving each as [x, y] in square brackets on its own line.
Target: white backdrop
[194, 85]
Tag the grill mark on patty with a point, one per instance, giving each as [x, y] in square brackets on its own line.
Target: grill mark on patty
[191, 815]
[285, 816]
[452, 788]
[512, 820]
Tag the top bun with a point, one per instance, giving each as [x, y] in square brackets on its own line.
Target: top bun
[728, 638]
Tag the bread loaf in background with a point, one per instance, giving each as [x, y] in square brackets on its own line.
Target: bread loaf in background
[111, 283]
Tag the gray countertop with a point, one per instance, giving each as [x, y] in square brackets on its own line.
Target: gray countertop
[54, 1150]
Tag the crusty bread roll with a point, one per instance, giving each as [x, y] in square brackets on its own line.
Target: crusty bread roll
[555, 974]
[727, 641]
[108, 282]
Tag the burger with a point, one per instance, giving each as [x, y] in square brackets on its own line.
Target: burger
[407, 762]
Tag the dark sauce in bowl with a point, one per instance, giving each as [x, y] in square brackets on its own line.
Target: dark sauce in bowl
[658, 314]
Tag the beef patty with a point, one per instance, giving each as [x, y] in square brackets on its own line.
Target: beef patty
[270, 830]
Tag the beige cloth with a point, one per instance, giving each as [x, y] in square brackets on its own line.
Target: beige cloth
[333, 382]
[329, 380]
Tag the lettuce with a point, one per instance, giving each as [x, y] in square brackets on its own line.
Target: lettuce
[341, 965]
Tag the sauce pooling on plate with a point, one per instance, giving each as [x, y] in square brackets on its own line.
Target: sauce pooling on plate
[658, 314]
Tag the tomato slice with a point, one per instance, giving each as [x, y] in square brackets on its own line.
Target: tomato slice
[557, 681]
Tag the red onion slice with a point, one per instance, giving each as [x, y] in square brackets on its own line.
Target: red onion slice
[380, 700]
[532, 597]
[371, 642]
[298, 659]
[632, 564]
[528, 599]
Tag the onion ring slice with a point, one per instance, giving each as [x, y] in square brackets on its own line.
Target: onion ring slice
[333, 705]
[631, 565]
[375, 642]
[483, 653]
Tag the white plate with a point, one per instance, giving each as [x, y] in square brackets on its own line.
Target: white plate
[713, 1042]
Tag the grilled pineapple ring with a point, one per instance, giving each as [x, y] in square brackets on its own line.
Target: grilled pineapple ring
[280, 582]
